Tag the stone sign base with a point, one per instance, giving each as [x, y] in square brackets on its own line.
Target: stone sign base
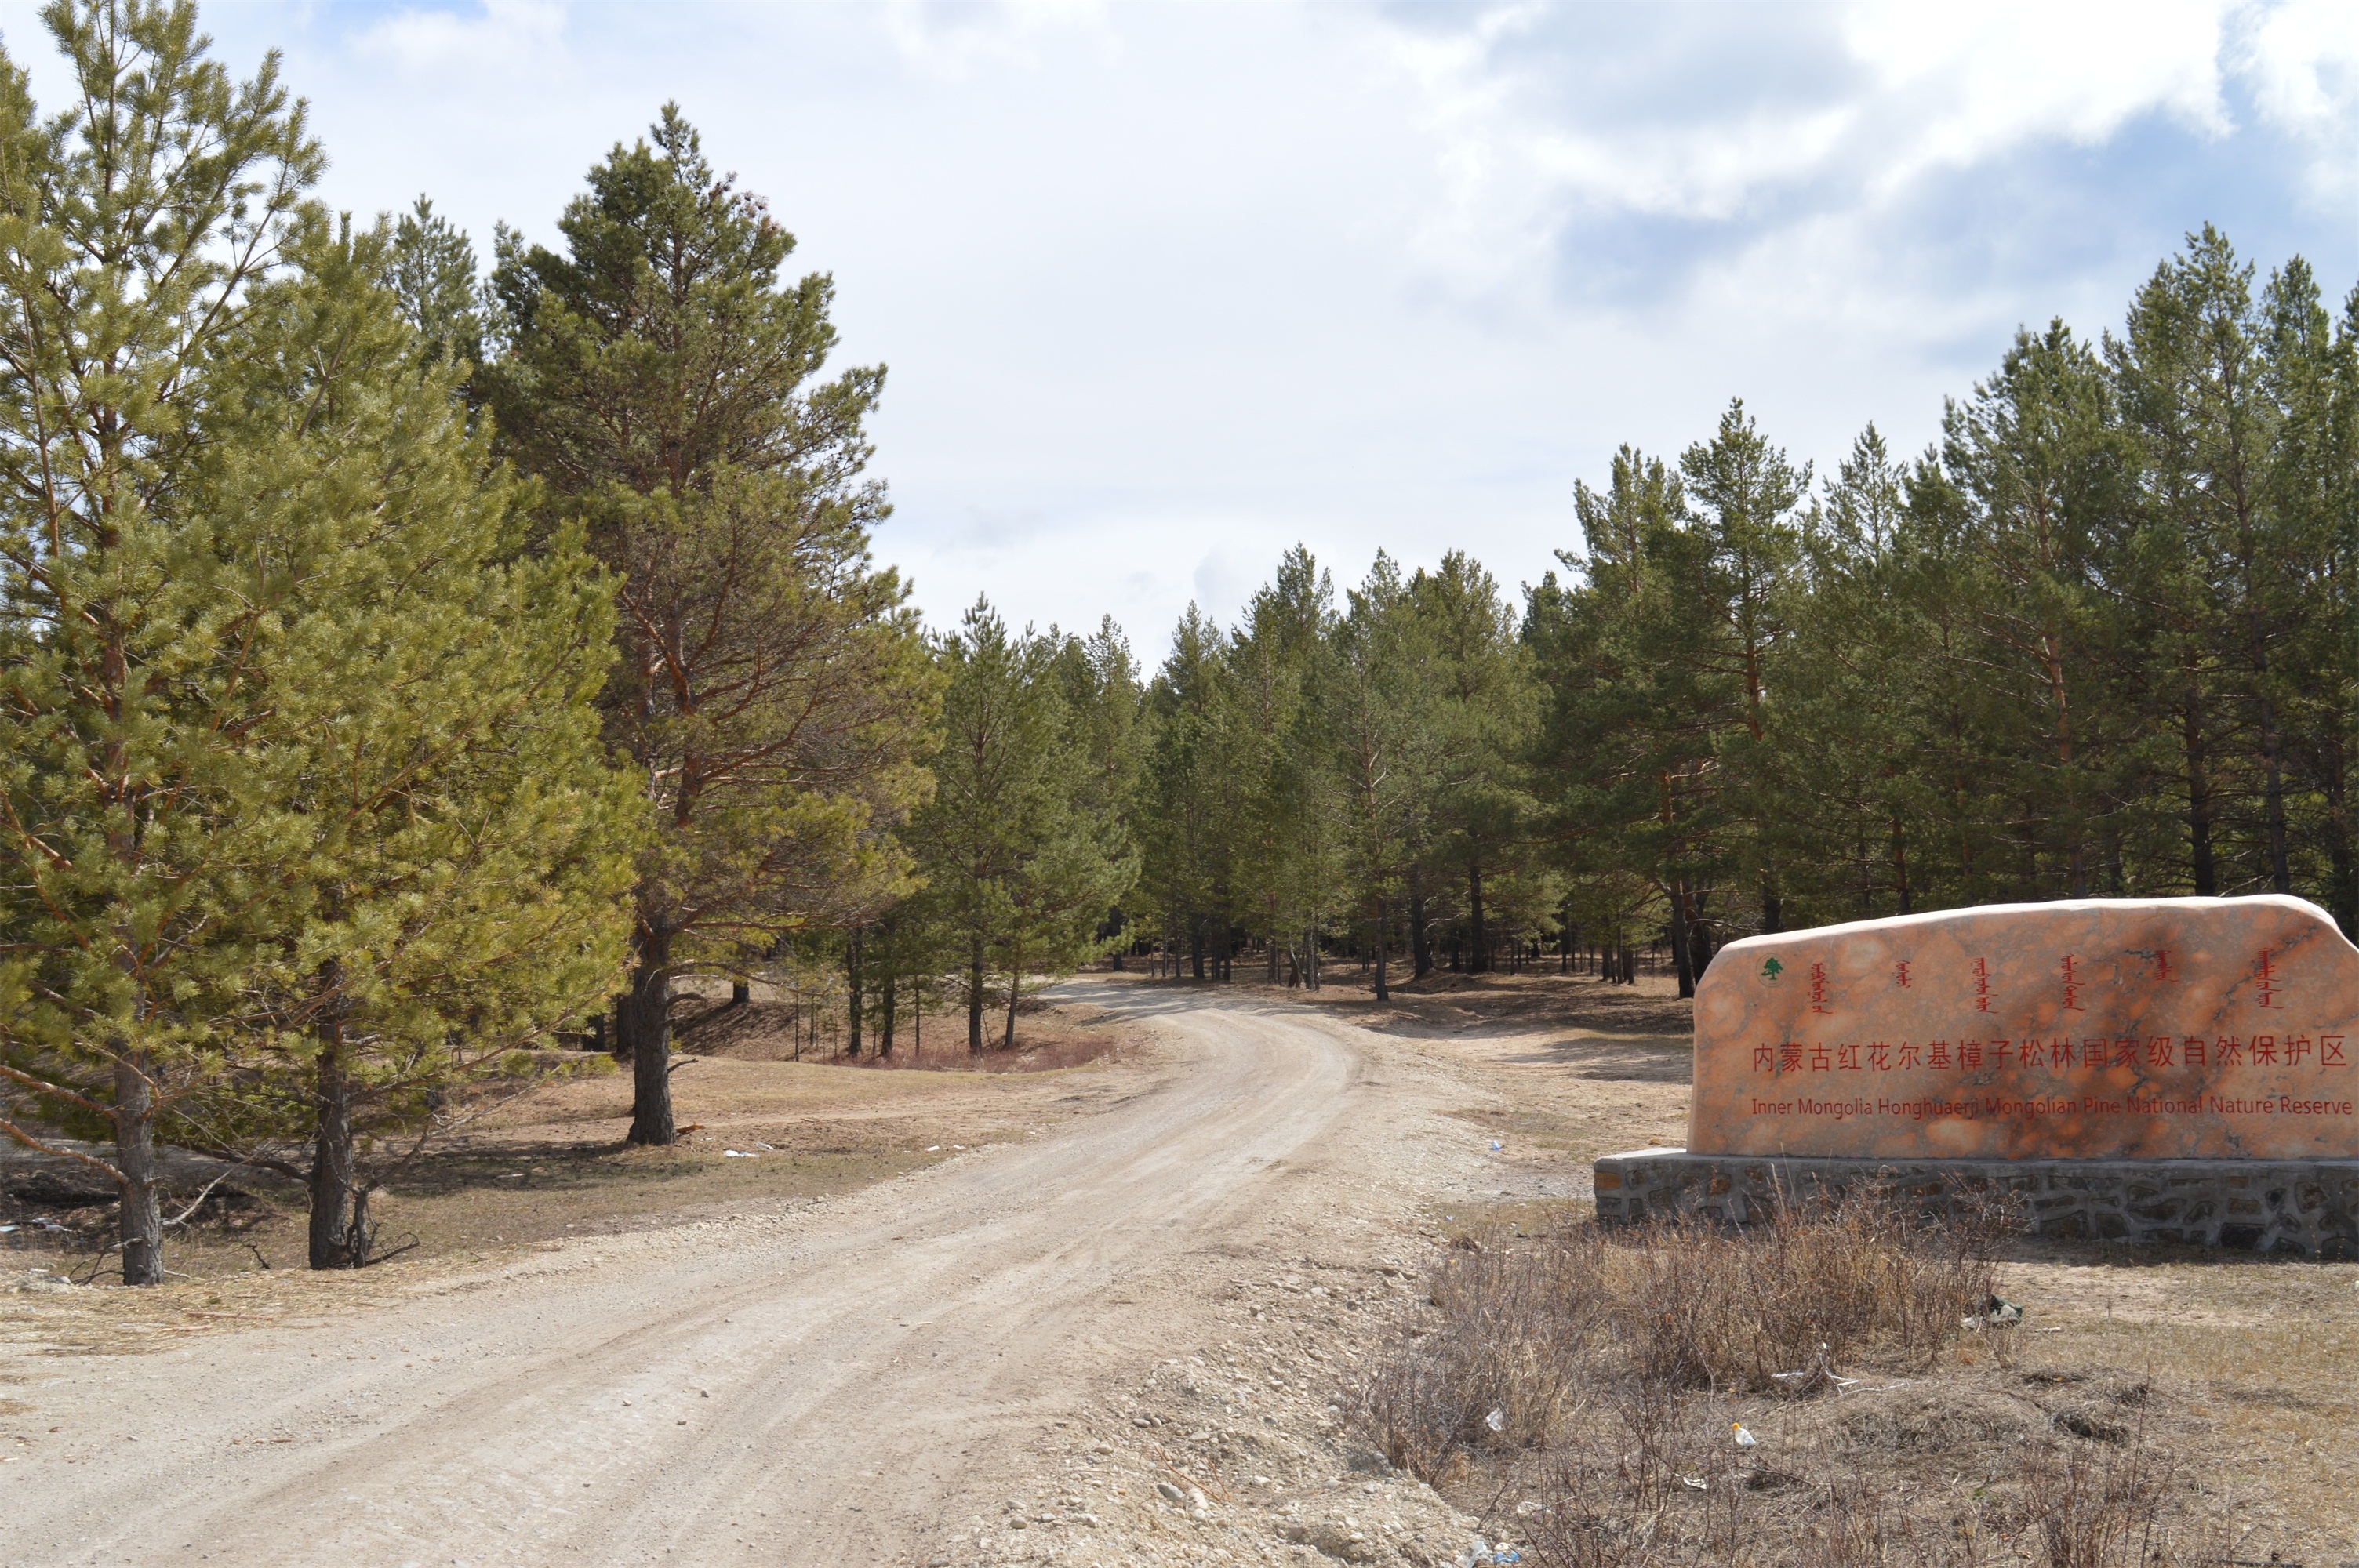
[2309, 1207]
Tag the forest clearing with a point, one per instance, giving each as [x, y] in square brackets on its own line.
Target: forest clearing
[553, 1008]
[1189, 1264]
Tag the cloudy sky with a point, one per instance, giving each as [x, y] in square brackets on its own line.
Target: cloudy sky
[1166, 288]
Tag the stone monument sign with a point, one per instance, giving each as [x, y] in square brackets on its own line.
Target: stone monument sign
[2152, 1029]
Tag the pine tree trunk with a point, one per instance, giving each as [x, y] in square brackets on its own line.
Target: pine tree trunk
[643, 1029]
[331, 1234]
[855, 1000]
[1699, 937]
[141, 1224]
[2342, 872]
[1478, 948]
[2280, 865]
[1196, 947]
[885, 1021]
[1420, 944]
[1383, 914]
[740, 993]
[2198, 795]
[1680, 954]
[1900, 867]
[975, 999]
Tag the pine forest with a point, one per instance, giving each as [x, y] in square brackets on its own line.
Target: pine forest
[411, 655]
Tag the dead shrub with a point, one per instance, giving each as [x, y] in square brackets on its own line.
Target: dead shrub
[1597, 1372]
[1776, 1309]
[1743, 1310]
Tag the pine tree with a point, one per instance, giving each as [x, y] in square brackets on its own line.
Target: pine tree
[467, 847]
[2038, 457]
[1736, 562]
[1106, 724]
[1187, 879]
[2312, 370]
[1286, 859]
[1479, 807]
[773, 689]
[145, 778]
[432, 271]
[1379, 722]
[1021, 867]
[1622, 762]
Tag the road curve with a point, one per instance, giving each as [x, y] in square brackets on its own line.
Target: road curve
[816, 1387]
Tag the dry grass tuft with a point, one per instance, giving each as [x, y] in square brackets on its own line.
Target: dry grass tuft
[1587, 1383]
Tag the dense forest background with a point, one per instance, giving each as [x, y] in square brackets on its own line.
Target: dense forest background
[405, 661]
[2099, 642]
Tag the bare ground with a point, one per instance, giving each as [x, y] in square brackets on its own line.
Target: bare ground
[1008, 1351]
[1114, 1336]
[2242, 1362]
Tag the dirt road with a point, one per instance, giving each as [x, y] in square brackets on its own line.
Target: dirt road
[884, 1378]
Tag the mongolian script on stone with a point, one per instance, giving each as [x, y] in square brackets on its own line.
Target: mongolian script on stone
[2183, 1028]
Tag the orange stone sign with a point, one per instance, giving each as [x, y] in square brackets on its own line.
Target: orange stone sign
[2160, 1029]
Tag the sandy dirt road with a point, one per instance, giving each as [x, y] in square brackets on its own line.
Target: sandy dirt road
[844, 1383]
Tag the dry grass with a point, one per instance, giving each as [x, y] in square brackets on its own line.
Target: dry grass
[550, 1165]
[1582, 1386]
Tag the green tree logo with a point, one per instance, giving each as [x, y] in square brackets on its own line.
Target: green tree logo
[1771, 969]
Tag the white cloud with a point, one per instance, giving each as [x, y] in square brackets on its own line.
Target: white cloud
[1980, 81]
[2301, 61]
[1530, 133]
[1164, 289]
[432, 47]
[958, 40]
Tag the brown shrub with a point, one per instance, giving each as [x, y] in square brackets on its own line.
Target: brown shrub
[1597, 1372]
[1776, 1310]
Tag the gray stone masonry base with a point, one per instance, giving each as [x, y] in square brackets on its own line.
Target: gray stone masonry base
[2306, 1207]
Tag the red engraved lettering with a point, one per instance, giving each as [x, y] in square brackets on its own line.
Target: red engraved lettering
[2126, 1053]
[2265, 1050]
[1900, 974]
[1879, 1056]
[1790, 1056]
[2330, 1051]
[2295, 1049]
[2190, 1051]
[2092, 1052]
[2227, 1052]
[1764, 1058]
[1820, 1058]
[2158, 1051]
[1847, 1058]
[2060, 1054]
[1970, 1054]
